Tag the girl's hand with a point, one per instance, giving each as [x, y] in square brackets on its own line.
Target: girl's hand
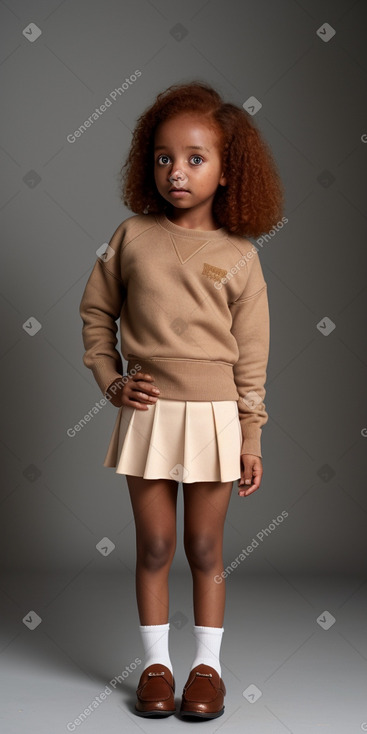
[138, 392]
[251, 474]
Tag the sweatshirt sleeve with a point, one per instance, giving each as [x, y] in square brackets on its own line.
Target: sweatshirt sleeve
[100, 307]
[251, 328]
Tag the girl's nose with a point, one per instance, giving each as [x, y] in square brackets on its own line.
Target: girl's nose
[178, 179]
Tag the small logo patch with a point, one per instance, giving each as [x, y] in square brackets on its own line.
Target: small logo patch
[212, 272]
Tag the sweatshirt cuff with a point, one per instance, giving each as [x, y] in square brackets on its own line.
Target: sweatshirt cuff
[252, 444]
[105, 374]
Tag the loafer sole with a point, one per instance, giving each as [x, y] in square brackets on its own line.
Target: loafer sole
[202, 715]
[155, 713]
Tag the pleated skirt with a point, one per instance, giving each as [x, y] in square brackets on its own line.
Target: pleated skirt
[189, 441]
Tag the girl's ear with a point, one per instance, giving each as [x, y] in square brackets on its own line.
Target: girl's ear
[223, 180]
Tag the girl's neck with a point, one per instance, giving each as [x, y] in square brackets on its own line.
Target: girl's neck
[189, 220]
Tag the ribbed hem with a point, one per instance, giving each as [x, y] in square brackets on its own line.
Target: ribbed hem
[209, 630]
[208, 234]
[252, 444]
[105, 374]
[189, 379]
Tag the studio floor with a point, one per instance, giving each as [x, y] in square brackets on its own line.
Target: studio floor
[293, 655]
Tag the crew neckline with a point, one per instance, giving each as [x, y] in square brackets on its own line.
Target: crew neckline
[209, 234]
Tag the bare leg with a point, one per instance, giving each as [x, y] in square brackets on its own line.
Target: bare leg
[205, 505]
[154, 506]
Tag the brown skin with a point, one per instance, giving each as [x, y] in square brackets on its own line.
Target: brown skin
[135, 393]
[205, 507]
[174, 143]
[251, 474]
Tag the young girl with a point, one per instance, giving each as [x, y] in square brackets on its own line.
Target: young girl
[191, 297]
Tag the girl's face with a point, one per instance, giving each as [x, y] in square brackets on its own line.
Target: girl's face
[187, 157]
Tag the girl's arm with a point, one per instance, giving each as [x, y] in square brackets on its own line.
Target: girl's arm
[251, 328]
[99, 309]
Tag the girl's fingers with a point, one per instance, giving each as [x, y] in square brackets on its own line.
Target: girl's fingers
[251, 474]
[141, 376]
[246, 492]
[139, 406]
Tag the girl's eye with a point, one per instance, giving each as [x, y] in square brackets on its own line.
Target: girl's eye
[197, 157]
[163, 159]
[163, 156]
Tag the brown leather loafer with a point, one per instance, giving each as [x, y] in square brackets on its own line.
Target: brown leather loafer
[203, 693]
[155, 692]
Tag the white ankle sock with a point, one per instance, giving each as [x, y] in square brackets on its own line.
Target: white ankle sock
[155, 643]
[208, 642]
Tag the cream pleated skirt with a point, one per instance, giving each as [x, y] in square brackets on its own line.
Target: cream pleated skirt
[189, 441]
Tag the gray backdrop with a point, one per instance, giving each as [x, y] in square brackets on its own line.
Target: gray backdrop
[60, 203]
[306, 64]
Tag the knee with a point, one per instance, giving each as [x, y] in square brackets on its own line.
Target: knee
[202, 551]
[157, 552]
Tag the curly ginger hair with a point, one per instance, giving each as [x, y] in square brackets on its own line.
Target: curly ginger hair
[251, 202]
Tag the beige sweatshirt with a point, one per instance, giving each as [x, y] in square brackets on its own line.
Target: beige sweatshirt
[193, 312]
